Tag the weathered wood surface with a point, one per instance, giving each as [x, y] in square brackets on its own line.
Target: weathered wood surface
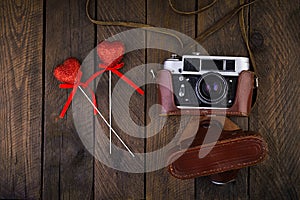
[41, 155]
[67, 165]
[227, 41]
[275, 40]
[21, 36]
[111, 183]
[160, 14]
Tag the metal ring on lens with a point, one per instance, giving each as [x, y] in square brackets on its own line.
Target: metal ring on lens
[202, 97]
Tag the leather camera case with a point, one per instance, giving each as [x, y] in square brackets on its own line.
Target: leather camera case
[241, 107]
[233, 150]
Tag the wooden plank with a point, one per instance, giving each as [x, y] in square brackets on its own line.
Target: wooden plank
[160, 184]
[275, 39]
[21, 99]
[68, 166]
[109, 182]
[227, 41]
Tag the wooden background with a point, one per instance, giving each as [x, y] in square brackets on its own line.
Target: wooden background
[41, 156]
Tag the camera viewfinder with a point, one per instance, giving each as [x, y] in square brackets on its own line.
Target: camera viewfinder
[191, 64]
[230, 65]
[212, 65]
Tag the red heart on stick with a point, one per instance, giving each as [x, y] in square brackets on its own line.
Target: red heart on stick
[67, 72]
[110, 53]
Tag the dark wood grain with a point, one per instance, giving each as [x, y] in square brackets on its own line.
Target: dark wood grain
[68, 166]
[111, 183]
[275, 32]
[227, 41]
[160, 184]
[21, 99]
[42, 156]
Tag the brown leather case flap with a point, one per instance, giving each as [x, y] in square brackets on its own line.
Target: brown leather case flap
[247, 149]
[241, 106]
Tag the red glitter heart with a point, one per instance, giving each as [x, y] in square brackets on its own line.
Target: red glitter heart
[110, 53]
[67, 72]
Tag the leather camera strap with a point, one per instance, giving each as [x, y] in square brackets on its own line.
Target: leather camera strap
[214, 28]
[203, 36]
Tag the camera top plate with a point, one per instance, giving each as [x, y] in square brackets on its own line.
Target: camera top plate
[200, 64]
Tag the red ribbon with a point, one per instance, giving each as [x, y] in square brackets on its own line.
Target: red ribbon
[75, 86]
[114, 69]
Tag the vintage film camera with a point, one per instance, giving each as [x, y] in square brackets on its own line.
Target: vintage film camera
[205, 82]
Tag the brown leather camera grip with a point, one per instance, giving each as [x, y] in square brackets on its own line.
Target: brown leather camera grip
[241, 106]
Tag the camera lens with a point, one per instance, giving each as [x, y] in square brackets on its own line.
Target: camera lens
[211, 88]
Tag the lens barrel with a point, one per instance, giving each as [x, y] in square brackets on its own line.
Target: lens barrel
[211, 88]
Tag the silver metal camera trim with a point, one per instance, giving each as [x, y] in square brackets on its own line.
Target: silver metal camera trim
[175, 66]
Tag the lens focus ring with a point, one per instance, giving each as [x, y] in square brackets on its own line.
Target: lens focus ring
[211, 88]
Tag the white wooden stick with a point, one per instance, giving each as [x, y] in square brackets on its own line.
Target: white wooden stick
[109, 96]
[105, 121]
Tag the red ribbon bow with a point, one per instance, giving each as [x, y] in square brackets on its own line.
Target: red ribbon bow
[107, 52]
[114, 69]
[75, 86]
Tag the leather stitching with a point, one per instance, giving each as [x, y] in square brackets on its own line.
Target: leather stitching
[223, 169]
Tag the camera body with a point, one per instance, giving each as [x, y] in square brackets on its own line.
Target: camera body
[205, 82]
